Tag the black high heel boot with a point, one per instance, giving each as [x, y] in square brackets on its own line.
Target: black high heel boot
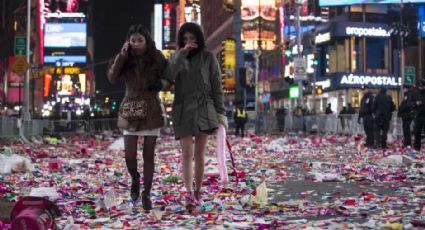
[135, 188]
[146, 201]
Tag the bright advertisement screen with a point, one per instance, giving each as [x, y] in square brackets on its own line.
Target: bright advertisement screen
[353, 2]
[229, 64]
[258, 23]
[193, 11]
[65, 35]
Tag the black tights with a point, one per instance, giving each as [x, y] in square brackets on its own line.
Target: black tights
[130, 145]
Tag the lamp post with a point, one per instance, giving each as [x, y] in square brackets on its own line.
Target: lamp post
[257, 55]
[26, 112]
[402, 51]
[298, 40]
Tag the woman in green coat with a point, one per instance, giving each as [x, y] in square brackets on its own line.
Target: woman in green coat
[198, 105]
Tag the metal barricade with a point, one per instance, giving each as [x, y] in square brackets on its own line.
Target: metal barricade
[80, 126]
[346, 124]
[98, 125]
[9, 127]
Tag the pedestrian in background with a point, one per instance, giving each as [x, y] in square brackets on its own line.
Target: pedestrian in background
[198, 105]
[280, 116]
[406, 113]
[141, 67]
[419, 103]
[366, 114]
[241, 117]
[382, 108]
[328, 110]
[350, 112]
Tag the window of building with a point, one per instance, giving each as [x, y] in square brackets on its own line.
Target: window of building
[376, 55]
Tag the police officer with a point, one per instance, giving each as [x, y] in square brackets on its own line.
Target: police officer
[240, 120]
[382, 109]
[365, 113]
[406, 113]
[419, 104]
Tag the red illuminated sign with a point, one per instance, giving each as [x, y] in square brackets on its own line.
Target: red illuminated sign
[167, 23]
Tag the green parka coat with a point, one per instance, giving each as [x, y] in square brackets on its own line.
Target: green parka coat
[198, 93]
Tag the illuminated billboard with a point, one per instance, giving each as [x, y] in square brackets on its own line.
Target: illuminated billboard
[15, 84]
[258, 24]
[229, 65]
[63, 6]
[167, 24]
[193, 11]
[65, 35]
[65, 43]
[353, 2]
[58, 10]
[157, 29]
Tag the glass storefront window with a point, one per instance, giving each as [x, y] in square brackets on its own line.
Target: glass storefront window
[346, 55]
[338, 57]
[376, 55]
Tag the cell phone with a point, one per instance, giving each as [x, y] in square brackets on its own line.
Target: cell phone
[129, 48]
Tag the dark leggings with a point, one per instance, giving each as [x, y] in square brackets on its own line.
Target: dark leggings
[130, 145]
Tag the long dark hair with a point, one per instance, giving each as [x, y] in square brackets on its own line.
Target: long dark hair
[150, 54]
[196, 30]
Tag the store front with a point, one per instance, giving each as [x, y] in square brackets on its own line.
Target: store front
[351, 55]
[343, 88]
[354, 47]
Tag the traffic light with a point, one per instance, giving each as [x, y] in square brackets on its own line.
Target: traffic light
[288, 53]
[318, 90]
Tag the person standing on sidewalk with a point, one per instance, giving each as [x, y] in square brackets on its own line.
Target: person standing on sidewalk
[141, 66]
[406, 113]
[382, 109]
[365, 113]
[198, 107]
[343, 116]
[419, 103]
[280, 116]
[328, 110]
[241, 117]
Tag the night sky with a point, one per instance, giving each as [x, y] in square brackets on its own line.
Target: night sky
[111, 20]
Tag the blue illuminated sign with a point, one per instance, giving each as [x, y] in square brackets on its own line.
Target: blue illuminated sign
[421, 21]
[66, 35]
[65, 59]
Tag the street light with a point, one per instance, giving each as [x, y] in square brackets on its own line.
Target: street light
[257, 55]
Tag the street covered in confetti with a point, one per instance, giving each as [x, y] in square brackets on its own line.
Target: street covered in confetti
[283, 182]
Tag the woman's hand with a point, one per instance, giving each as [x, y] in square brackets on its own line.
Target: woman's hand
[190, 46]
[124, 49]
[222, 119]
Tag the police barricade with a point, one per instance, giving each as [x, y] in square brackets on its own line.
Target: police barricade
[9, 127]
[33, 127]
[80, 126]
[66, 126]
[346, 124]
[107, 124]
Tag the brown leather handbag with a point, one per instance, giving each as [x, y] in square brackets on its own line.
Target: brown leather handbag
[132, 109]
